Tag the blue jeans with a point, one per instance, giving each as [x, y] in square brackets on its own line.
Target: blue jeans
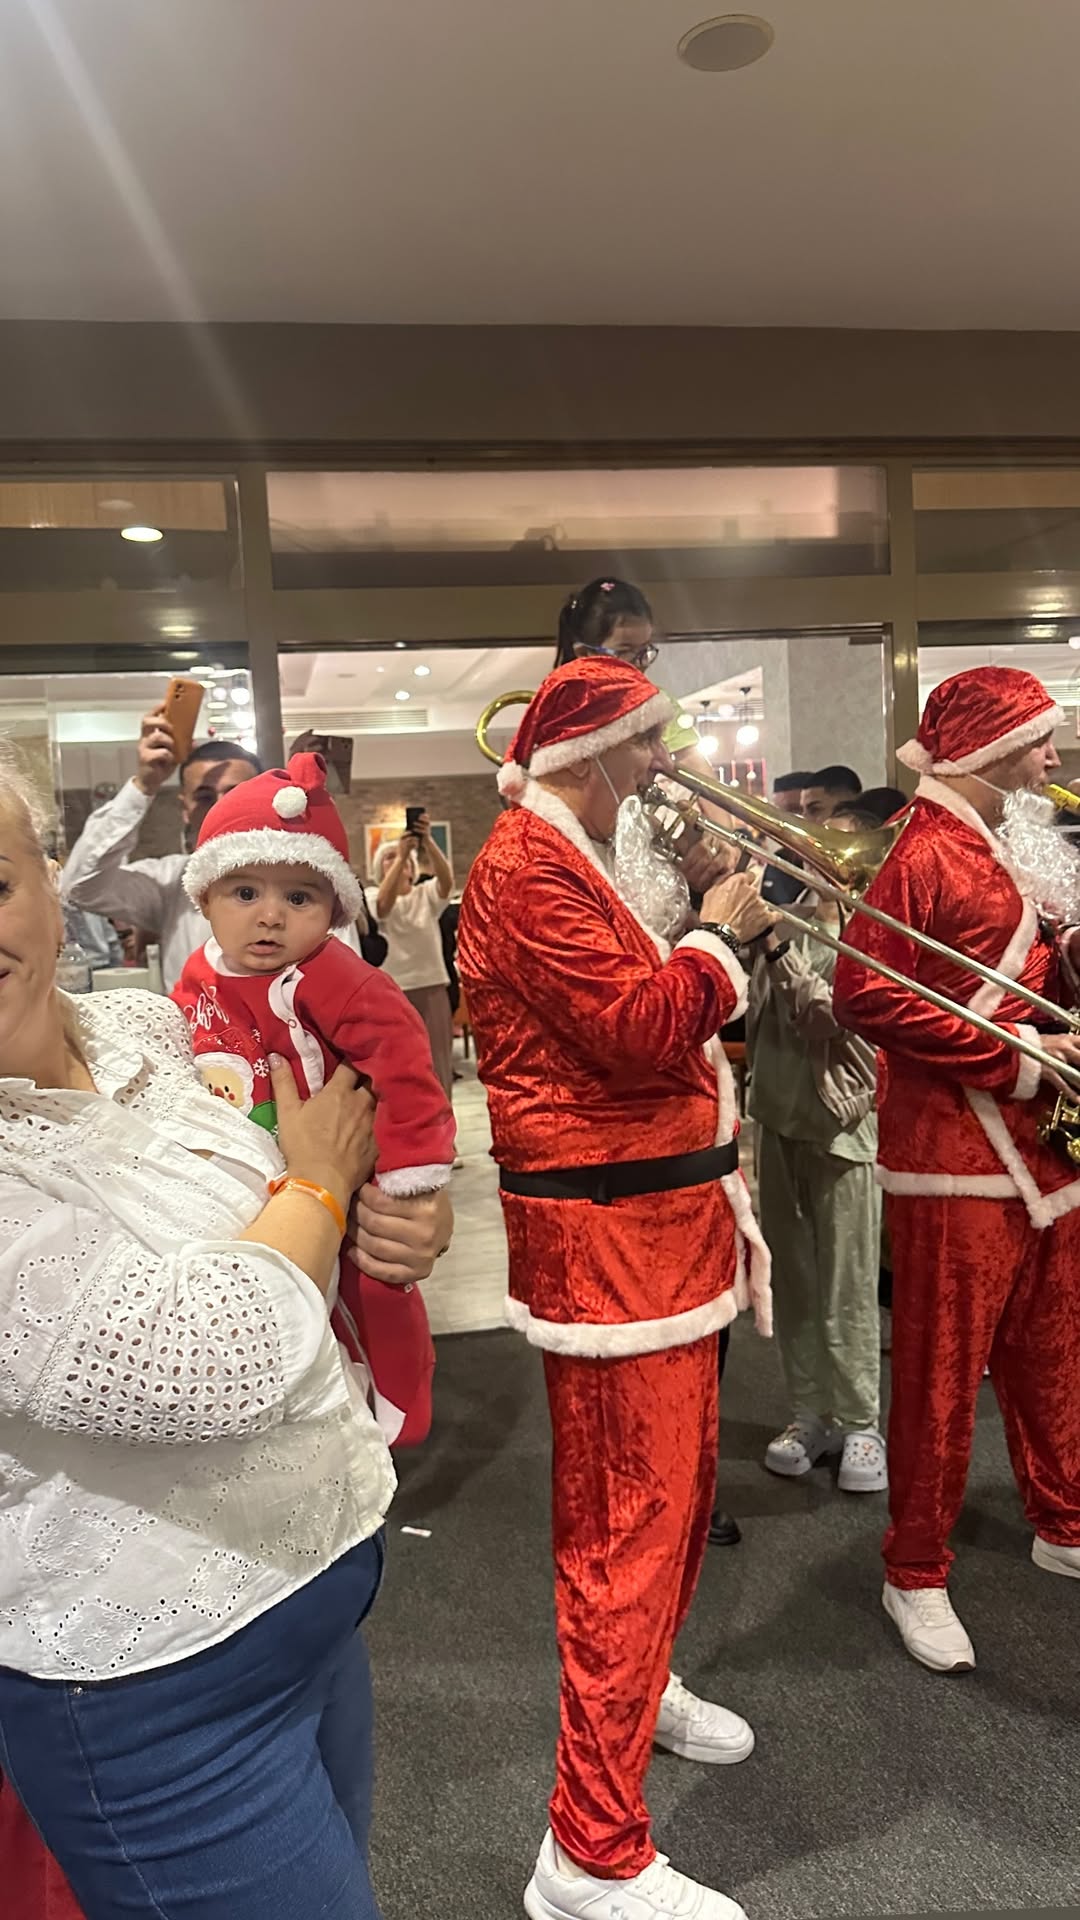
[235, 1785]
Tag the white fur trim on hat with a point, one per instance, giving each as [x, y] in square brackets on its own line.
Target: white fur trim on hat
[914, 754]
[269, 847]
[654, 712]
[290, 803]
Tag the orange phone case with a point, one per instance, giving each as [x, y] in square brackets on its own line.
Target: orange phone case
[183, 699]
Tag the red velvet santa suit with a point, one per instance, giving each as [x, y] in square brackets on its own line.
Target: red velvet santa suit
[34, 1886]
[590, 1045]
[983, 1218]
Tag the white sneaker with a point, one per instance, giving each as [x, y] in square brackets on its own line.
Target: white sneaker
[553, 1894]
[697, 1730]
[1054, 1559]
[929, 1628]
[863, 1468]
[807, 1440]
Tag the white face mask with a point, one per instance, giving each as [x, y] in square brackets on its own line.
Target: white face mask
[1040, 856]
[642, 875]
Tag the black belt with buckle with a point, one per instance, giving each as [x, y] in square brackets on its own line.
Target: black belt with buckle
[601, 1185]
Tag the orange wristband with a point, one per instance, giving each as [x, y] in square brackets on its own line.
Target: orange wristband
[287, 1180]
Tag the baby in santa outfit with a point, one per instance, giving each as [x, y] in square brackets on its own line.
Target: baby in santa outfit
[271, 873]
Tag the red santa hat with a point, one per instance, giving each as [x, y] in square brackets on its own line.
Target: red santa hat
[274, 820]
[980, 716]
[579, 712]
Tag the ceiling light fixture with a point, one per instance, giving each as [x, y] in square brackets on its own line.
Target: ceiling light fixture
[1074, 640]
[400, 645]
[240, 696]
[422, 672]
[143, 536]
[747, 735]
[403, 694]
[709, 744]
[117, 506]
[727, 42]
[177, 629]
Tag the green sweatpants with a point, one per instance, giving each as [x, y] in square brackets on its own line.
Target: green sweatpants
[822, 1219]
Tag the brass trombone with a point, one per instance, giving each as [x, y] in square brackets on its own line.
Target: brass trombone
[843, 865]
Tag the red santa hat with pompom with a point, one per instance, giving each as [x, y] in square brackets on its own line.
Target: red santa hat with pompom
[279, 818]
[579, 712]
[980, 716]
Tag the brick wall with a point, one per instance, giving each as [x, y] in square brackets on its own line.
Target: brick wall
[468, 801]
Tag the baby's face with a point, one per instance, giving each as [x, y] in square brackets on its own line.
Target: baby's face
[267, 918]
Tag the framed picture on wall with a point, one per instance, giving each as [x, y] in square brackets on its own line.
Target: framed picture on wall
[375, 836]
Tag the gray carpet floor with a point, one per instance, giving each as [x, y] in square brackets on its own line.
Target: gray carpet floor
[875, 1788]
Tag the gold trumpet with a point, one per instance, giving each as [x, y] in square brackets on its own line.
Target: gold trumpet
[842, 865]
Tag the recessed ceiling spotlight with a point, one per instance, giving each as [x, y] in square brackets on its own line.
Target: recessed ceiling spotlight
[402, 694]
[729, 41]
[380, 669]
[142, 535]
[1074, 639]
[421, 672]
[400, 645]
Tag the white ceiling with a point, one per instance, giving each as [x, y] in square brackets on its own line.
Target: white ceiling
[900, 163]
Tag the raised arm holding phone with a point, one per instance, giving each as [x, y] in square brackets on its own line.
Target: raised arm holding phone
[408, 915]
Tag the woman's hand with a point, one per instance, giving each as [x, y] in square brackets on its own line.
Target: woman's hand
[736, 903]
[329, 1139]
[398, 1239]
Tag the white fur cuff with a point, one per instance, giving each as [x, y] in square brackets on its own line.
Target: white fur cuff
[1028, 1072]
[403, 1182]
[702, 942]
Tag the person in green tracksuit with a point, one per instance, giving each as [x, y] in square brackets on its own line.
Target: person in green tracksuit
[812, 1096]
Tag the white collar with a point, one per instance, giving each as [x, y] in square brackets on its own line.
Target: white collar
[961, 809]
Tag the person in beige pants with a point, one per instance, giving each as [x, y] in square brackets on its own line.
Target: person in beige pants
[812, 1096]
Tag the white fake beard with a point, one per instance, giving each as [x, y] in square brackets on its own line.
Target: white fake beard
[1040, 855]
[651, 885]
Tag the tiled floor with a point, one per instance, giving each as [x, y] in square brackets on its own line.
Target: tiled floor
[465, 1292]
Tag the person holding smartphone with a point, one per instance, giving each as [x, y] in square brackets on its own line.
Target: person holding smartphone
[408, 917]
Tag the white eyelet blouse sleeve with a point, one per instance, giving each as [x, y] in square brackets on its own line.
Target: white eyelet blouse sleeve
[101, 1336]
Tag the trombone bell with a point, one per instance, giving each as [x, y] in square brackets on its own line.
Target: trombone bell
[494, 707]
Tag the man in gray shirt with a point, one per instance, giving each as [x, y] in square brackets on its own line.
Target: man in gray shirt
[100, 875]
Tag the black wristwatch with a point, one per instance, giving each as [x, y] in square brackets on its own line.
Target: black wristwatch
[776, 953]
[725, 933]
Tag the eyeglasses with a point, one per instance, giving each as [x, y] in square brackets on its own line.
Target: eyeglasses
[642, 658]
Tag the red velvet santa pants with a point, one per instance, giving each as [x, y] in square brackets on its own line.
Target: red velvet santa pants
[634, 1447]
[34, 1887]
[974, 1283]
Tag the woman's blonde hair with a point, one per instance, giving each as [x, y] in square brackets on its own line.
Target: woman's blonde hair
[23, 800]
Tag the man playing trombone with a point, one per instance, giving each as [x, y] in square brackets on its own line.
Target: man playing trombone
[982, 1209]
[613, 1120]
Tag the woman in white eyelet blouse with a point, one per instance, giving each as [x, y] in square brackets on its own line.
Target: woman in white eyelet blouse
[191, 1489]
